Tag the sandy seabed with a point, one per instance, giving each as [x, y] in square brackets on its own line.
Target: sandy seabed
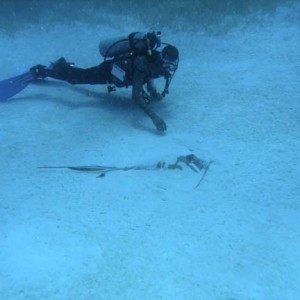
[150, 234]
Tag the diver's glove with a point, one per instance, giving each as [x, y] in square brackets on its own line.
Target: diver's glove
[158, 122]
[39, 71]
[155, 96]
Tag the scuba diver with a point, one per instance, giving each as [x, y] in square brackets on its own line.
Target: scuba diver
[135, 60]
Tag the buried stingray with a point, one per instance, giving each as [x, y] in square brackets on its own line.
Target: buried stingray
[196, 164]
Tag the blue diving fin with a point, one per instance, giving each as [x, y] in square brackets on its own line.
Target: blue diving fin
[12, 86]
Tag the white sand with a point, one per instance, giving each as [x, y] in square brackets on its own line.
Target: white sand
[149, 234]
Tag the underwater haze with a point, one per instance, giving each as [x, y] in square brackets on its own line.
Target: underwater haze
[151, 233]
[204, 15]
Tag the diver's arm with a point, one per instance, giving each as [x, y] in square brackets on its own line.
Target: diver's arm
[137, 89]
[151, 88]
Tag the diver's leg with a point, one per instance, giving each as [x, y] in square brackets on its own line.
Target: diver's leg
[94, 75]
[64, 71]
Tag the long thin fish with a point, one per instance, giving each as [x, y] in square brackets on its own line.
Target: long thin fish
[80, 168]
[204, 173]
[106, 169]
[99, 168]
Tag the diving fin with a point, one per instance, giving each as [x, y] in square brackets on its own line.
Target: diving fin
[12, 86]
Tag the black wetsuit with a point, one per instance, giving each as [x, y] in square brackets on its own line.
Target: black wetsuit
[131, 71]
[147, 67]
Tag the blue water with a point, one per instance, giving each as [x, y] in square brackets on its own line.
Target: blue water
[150, 234]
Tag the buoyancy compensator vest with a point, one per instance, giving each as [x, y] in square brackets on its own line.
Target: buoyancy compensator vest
[123, 48]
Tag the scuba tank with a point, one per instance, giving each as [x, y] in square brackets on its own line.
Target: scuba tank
[134, 43]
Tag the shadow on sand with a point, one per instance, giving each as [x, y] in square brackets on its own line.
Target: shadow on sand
[117, 104]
